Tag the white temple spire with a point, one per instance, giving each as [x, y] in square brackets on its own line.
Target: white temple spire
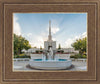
[50, 37]
[49, 28]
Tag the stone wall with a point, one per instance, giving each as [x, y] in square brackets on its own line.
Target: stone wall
[63, 56]
[60, 56]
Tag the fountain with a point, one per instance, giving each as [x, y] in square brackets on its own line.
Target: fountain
[50, 61]
[49, 58]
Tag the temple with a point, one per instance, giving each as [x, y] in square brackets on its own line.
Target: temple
[49, 43]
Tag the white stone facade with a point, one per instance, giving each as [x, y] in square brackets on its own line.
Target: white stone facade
[48, 43]
[68, 49]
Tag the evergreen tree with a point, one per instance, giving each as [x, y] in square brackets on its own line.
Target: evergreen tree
[59, 47]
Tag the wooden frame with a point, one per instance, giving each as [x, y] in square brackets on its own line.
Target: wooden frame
[8, 7]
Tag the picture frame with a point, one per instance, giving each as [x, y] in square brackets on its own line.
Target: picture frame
[8, 7]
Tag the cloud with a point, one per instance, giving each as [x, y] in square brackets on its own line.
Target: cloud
[84, 34]
[69, 41]
[29, 34]
[35, 40]
[54, 30]
[16, 26]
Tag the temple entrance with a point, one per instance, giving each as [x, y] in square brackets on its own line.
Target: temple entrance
[49, 47]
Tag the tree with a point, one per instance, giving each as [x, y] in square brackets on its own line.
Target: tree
[59, 47]
[40, 47]
[20, 43]
[80, 45]
[35, 47]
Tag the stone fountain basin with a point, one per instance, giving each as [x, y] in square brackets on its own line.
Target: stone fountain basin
[50, 64]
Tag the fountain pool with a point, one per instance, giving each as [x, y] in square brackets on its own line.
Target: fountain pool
[60, 64]
[50, 61]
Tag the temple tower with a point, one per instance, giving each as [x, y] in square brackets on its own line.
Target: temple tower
[49, 36]
[50, 43]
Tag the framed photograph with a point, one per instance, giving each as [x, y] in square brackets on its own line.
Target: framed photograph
[49, 42]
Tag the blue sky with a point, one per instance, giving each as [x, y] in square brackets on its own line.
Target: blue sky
[66, 27]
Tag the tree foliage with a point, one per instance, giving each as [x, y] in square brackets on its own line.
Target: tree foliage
[20, 43]
[80, 45]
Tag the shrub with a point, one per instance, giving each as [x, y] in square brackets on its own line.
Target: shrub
[74, 56]
[62, 51]
[22, 56]
[37, 51]
[58, 51]
[41, 51]
[78, 56]
[84, 56]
